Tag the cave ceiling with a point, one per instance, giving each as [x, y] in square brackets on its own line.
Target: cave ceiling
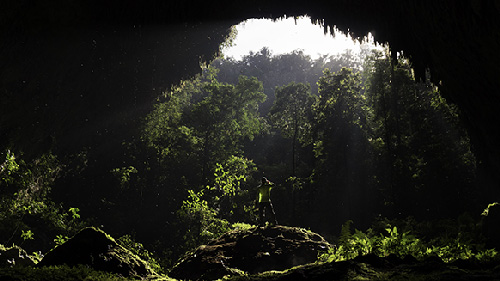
[458, 41]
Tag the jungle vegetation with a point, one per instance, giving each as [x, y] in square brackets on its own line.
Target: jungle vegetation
[346, 138]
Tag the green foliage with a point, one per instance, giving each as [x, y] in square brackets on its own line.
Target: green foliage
[291, 110]
[27, 235]
[242, 226]
[230, 175]
[28, 181]
[226, 115]
[202, 221]
[164, 129]
[339, 114]
[280, 70]
[191, 164]
[401, 244]
[345, 232]
[209, 219]
[123, 174]
[369, 137]
[203, 122]
[296, 182]
[291, 115]
[487, 210]
[340, 145]
[37, 256]
[74, 213]
[138, 249]
[8, 168]
[229, 192]
[60, 239]
[424, 153]
[25, 205]
[340, 98]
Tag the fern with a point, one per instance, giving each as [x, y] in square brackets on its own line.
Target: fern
[401, 244]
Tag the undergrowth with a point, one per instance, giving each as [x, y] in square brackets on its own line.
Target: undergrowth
[139, 250]
[393, 241]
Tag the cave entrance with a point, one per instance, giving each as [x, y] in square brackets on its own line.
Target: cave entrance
[371, 133]
[291, 34]
[296, 45]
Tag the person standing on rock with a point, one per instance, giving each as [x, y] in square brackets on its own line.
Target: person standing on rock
[264, 201]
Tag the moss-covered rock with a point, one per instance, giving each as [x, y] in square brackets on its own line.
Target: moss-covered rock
[13, 256]
[98, 250]
[251, 251]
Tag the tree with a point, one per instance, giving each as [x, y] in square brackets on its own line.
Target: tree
[28, 215]
[342, 169]
[190, 159]
[291, 114]
[280, 70]
[204, 121]
[424, 151]
[386, 94]
[225, 116]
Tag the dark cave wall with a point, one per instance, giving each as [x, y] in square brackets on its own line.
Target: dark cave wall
[89, 85]
[42, 40]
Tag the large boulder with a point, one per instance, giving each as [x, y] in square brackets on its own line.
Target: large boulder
[98, 250]
[252, 251]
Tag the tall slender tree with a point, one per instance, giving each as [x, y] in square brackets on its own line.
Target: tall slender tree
[291, 115]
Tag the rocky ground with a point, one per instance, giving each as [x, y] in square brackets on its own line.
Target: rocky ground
[89, 251]
[251, 251]
[269, 253]
[289, 253]
[391, 268]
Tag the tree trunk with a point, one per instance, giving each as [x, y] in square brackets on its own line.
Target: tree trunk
[294, 145]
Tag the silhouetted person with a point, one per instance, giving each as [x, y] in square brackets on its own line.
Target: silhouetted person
[264, 201]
